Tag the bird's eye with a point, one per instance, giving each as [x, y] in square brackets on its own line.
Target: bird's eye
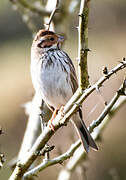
[51, 39]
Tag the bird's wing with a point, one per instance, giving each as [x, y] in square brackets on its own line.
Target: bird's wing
[73, 77]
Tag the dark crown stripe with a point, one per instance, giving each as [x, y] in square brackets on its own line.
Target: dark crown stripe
[44, 33]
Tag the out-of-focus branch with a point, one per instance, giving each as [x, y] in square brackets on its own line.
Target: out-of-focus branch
[120, 92]
[83, 45]
[59, 121]
[36, 8]
[26, 17]
[33, 125]
[116, 103]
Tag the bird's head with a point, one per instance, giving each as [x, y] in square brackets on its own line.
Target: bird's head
[45, 40]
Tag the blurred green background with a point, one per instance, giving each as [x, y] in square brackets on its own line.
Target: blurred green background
[107, 41]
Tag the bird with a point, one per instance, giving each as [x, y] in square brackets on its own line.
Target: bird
[54, 79]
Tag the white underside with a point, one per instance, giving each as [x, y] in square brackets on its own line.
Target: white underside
[50, 83]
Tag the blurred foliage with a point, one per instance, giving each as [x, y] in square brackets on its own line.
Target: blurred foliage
[107, 43]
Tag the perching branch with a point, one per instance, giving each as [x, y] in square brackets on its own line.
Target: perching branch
[83, 45]
[59, 121]
[80, 152]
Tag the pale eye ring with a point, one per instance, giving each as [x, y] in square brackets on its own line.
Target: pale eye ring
[51, 39]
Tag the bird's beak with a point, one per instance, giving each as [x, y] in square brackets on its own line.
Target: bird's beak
[60, 39]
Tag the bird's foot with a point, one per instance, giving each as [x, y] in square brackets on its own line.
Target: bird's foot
[61, 111]
[52, 118]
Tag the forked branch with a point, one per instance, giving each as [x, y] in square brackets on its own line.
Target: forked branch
[59, 121]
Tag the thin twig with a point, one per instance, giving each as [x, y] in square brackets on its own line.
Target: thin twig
[69, 109]
[52, 14]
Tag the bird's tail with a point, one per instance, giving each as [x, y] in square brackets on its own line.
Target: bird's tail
[84, 134]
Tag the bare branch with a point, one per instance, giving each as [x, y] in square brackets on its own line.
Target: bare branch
[69, 109]
[83, 45]
[79, 154]
[54, 161]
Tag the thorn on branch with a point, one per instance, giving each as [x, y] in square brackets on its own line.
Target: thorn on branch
[89, 86]
[105, 70]
[81, 15]
[85, 50]
[82, 51]
[124, 59]
[106, 103]
[123, 63]
[122, 90]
